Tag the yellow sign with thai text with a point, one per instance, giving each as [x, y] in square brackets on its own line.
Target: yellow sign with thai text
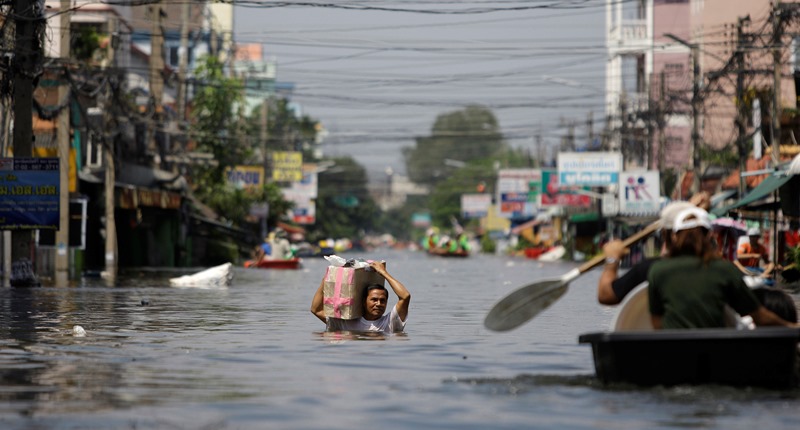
[287, 166]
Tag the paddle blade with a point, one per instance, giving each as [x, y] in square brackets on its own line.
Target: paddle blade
[523, 304]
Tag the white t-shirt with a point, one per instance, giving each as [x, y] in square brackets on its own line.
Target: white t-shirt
[388, 323]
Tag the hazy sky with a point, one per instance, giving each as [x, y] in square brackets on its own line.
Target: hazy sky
[378, 78]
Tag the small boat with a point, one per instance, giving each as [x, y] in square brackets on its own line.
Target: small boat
[445, 253]
[215, 277]
[269, 263]
[635, 353]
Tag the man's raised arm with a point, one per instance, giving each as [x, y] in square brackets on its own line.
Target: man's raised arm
[403, 296]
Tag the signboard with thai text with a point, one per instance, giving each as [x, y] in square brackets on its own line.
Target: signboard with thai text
[589, 168]
[553, 194]
[475, 205]
[29, 193]
[518, 192]
[303, 194]
[287, 166]
[246, 176]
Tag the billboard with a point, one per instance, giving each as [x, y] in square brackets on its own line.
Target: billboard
[287, 166]
[246, 176]
[553, 194]
[475, 205]
[518, 192]
[302, 193]
[29, 193]
[639, 193]
[599, 169]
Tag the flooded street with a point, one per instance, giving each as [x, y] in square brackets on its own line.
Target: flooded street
[252, 356]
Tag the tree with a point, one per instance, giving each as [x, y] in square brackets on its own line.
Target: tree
[461, 136]
[445, 199]
[215, 123]
[218, 127]
[344, 206]
[285, 130]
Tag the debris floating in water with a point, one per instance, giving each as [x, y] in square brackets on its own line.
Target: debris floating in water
[78, 331]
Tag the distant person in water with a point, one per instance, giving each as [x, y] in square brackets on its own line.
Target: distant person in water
[375, 300]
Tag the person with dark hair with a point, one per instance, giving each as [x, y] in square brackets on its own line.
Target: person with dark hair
[778, 302]
[691, 287]
[612, 289]
[751, 254]
[375, 300]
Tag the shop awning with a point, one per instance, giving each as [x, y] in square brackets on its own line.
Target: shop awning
[765, 188]
[584, 217]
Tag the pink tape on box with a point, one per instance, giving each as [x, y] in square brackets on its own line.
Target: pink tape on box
[337, 301]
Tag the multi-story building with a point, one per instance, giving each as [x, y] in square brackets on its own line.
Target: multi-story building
[683, 77]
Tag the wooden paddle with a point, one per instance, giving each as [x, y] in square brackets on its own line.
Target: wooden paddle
[526, 302]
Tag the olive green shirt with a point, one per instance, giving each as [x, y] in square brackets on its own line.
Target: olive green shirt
[689, 294]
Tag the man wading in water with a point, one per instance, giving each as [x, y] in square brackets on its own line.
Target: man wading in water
[375, 299]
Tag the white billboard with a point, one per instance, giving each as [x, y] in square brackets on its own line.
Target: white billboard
[518, 192]
[639, 192]
[598, 169]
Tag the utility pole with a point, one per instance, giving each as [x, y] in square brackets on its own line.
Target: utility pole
[696, 118]
[662, 136]
[62, 235]
[24, 67]
[777, 36]
[183, 61]
[112, 254]
[742, 112]
[156, 80]
[265, 159]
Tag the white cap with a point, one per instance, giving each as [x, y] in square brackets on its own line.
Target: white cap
[754, 232]
[691, 218]
[667, 219]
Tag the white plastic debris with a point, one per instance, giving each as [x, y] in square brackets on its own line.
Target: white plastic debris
[78, 331]
[335, 260]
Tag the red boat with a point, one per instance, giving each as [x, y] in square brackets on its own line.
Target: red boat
[268, 263]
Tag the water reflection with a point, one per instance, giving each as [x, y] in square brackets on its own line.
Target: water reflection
[343, 336]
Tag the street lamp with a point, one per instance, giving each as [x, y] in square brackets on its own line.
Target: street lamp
[695, 50]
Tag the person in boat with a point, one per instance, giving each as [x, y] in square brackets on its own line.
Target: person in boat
[431, 239]
[611, 289]
[461, 242]
[375, 300]
[264, 250]
[281, 248]
[751, 254]
[691, 287]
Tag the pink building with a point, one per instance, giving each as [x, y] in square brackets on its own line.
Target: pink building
[652, 80]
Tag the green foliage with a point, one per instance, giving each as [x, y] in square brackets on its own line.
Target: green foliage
[669, 180]
[488, 245]
[285, 131]
[725, 157]
[85, 43]
[465, 135]
[793, 255]
[219, 128]
[344, 206]
[234, 203]
[215, 122]
[445, 200]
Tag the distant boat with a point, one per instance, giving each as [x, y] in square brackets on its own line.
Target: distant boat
[269, 263]
[445, 253]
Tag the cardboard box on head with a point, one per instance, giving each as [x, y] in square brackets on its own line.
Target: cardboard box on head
[343, 290]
